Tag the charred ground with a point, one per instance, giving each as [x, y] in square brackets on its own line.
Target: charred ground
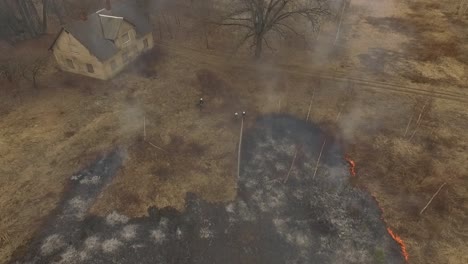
[303, 219]
[369, 79]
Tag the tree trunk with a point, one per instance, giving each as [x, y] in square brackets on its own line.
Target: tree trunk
[36, 21]
[258, 48]
[44, 15]
[57, 12]
[205, 32]
[160, 27]
[29, 15]
[9, 77]
[34, 78]
[26, 18]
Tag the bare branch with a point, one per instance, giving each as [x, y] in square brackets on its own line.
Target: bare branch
[260, 17]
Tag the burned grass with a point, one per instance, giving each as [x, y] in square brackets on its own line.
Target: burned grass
[37, 157]
[201, 148]
[266, 222]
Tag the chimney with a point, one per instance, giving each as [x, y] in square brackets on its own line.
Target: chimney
[108, 5]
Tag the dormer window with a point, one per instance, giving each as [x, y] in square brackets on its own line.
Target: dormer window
[125, 38]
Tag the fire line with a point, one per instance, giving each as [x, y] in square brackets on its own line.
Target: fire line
[400, 243]
[395, 237]
[352, 166]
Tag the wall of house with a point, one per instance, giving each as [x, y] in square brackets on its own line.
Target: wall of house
[68, 47]
[125, 28]
[134, 48]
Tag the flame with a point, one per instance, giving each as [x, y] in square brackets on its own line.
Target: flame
[400, 243]
[352, 166]
[395, 237]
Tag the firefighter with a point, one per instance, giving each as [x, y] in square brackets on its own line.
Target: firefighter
[201, 103]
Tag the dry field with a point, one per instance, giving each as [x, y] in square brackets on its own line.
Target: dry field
[393, 60]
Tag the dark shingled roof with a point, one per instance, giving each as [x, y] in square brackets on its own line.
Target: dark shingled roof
[110, 26]
[90, 32]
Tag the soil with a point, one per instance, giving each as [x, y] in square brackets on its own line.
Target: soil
[392, 91]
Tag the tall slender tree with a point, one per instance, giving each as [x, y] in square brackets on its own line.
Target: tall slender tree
[45, 6]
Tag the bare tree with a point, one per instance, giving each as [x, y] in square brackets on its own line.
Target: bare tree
[8, 69]
[45, 6]
[204, 10]
[258, 18]
[32, 66]
[19, 20]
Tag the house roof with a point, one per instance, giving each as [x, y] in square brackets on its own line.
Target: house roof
[101, 28]
[130, 11]
[110, 26]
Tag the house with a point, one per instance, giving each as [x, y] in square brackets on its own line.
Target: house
[101, 44]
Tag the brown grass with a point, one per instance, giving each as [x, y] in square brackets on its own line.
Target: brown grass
[201, 147]
[427, 49]
[48, 135]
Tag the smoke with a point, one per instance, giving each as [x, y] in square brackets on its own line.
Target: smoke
[129, 232]
[52, 244]
[111, 245]
[352, 122]
[115, 219]
[131, 119]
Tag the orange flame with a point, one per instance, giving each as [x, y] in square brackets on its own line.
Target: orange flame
[352, 166]
[395, 237]
[399, 242]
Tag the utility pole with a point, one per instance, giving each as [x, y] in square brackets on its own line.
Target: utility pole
[240, 142]
[341, 21]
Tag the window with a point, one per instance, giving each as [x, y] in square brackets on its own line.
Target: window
[113, 65]
[125, 38]
[90, 68]
[125, 56]
[145, 43]
[70, 64]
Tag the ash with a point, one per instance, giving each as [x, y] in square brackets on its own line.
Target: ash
[303, 219]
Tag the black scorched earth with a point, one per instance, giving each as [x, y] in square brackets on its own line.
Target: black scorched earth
[274, 219]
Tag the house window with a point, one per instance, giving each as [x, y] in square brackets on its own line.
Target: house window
[125, 38]
[70, 64]
[125, 57]
[90, 68]
[145, 43]
[113, 65]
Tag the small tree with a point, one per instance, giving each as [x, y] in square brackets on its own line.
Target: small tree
[258, 18]
[32, 66]
[204, 10]
[8, 69]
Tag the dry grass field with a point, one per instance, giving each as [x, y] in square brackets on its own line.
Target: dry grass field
[394, 59]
